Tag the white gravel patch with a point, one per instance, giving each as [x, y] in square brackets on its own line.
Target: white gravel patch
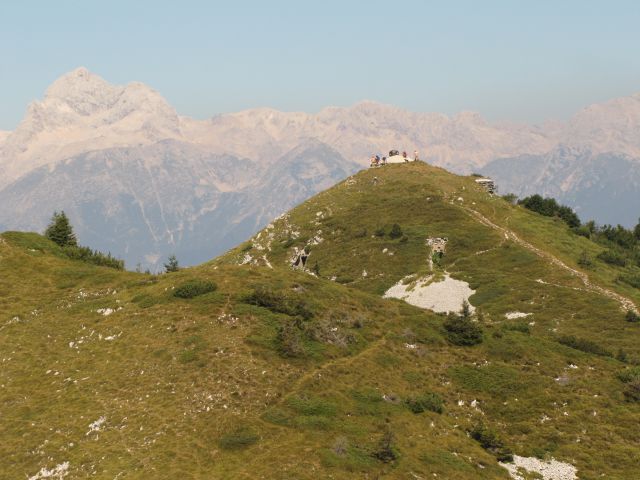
[550, 470]
[514, 315]
[96, 426]
[444, 296]
[58, 472]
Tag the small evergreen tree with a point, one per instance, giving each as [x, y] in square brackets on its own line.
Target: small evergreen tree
[172, 264]
[636, 231]
[60, 231]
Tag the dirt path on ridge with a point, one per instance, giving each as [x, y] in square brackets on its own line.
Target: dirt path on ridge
[625, 303]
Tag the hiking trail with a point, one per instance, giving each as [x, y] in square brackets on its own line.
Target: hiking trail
[625, 303]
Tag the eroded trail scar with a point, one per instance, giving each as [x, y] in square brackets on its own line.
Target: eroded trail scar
[625, 303]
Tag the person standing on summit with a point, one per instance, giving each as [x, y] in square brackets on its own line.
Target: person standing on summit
[415, 156]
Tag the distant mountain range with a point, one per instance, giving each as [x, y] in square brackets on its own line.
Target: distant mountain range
[142, 181]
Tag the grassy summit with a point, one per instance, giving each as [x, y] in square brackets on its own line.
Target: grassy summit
[256, 370]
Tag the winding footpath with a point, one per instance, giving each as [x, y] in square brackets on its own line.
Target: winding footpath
[625, 303]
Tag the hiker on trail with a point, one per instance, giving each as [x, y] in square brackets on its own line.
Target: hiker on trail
[404, 155]
[415, 156]
[377, 159]
[372, 161]
[384, 160]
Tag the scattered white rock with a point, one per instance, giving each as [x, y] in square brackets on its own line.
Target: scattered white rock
[107, 311]
[364, 273]
[514, 315]
[444, 296]
[58, 472]
[549, 470]
[96, 426]
[411, 346]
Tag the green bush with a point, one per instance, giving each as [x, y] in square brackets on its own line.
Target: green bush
[238, 439]
[290, 340]
[431, 402]
[396, 231]
[613, 258]
[632, 316]
[386, 451]
[511, 198]
[632, 391]
[85, 254]
[584, 260]
[491, 442]
[194, 288]
[629, 375]
[521, 327]
[586, 346]
[549, 207]
[278, 302]
[462, 331]
[379, 232]
[633, 280]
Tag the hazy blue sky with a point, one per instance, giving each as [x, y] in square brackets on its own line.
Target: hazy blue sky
[523, 60]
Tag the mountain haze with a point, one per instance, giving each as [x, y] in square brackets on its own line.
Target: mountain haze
[121, 159]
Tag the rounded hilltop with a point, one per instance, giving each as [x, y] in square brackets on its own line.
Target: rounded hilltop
[260, 366]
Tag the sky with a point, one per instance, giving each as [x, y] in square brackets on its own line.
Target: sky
[516, 60]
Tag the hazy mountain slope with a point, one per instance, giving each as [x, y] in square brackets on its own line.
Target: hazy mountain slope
[602, 187]
[147, 202]
[81, 112]
[606, 127]
[82, 118]
[283, 374]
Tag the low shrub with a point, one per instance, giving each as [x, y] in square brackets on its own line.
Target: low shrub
[290, 340]
[309, 405]
[632, 391]
[87, 255]
[240, 438]
[586, 346]
[584, 260]
[462, 331]
[491, 442]
[633, 280]
[511, 198]
[396, 231]
[632, 316]
[288, 242]
[194, 288]
[629, 375]
[613, 258]
[278, 302]
[431, 402]
[386, 452]
[521, 327]
[379, 232]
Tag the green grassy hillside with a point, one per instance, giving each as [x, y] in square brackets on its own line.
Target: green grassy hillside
[246, 368]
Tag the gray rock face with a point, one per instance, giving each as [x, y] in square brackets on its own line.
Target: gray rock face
[145, 203]
[603, 187]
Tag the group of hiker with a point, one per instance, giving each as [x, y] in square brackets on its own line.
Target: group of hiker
[394, 157]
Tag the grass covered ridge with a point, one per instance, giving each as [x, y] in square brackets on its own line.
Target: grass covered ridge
[275, 373]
